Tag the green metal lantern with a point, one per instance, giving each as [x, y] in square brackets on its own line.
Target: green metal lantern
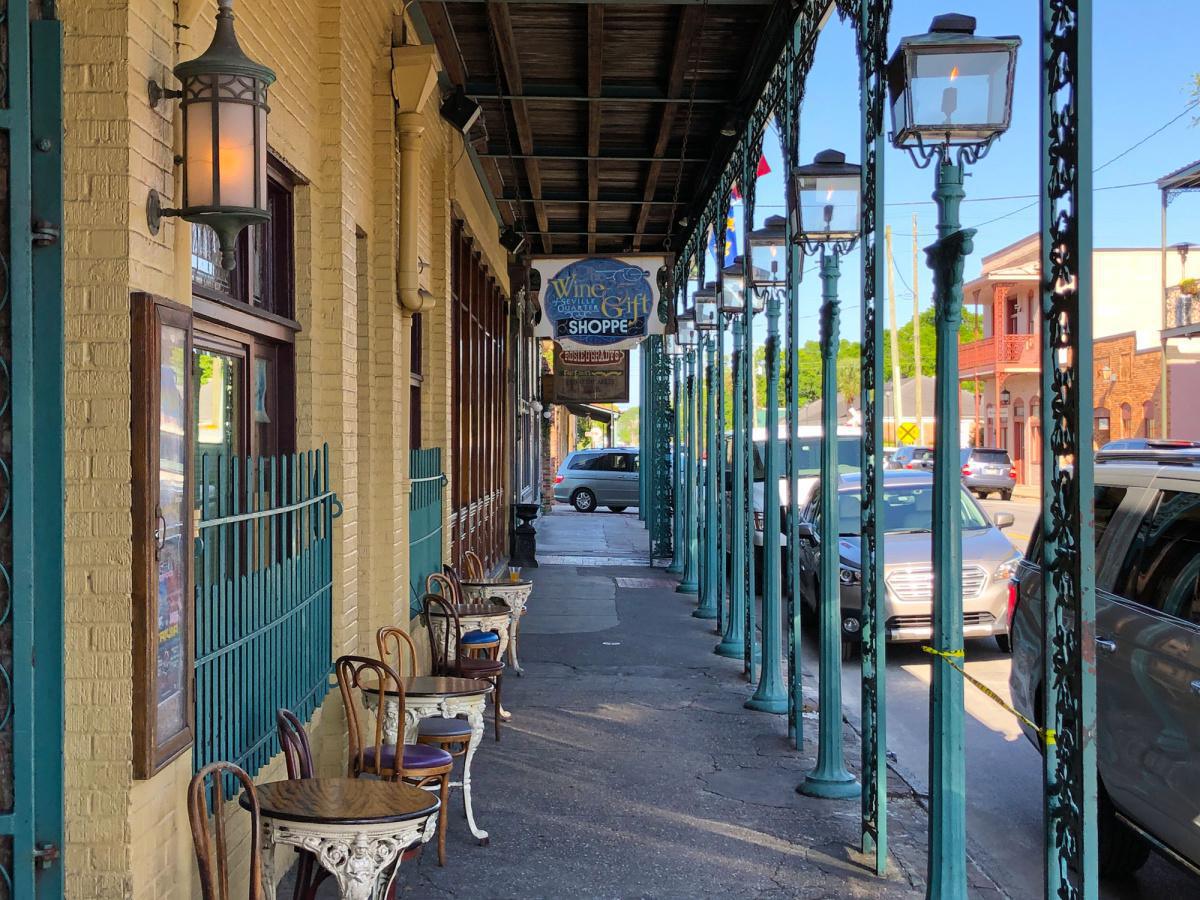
[733, 294]
[224, 102]
[950, 88]
[706, 308]
[686, 334]
[828, 208]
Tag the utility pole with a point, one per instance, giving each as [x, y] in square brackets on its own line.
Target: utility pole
[897, 404]
[917, 335]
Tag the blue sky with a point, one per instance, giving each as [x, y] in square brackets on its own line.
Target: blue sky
[1144, 60]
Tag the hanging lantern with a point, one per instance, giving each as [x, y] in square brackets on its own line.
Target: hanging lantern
[224, 102]
[949, 87]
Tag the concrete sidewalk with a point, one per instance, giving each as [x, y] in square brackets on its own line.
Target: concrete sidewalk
[631, 769]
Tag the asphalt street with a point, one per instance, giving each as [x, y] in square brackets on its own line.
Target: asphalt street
[1004, 776]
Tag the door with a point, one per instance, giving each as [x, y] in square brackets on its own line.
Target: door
[628, 479]
[1148, 646]
[31, 451]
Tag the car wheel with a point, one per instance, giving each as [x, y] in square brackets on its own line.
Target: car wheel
[1122, 850]
[1006, 495]
[982, 495]
[584, 500]
[618, 509]
[1004, 642]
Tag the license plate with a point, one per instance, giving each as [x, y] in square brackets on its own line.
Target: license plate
[993, 470]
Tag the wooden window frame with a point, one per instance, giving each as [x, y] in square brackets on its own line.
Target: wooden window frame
[149, 313]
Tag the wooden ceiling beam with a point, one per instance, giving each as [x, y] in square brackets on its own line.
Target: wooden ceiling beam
[506, 46]
[686, 36]
[446, 40]
[595, 74]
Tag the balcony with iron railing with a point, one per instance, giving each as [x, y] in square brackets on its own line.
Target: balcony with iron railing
[1011, 352]
[1181, 313]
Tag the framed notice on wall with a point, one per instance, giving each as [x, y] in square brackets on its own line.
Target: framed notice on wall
[162, 538]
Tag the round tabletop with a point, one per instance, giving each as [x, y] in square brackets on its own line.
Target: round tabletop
[499, 582]
[349, 801]
[438, 686]
[473, 609]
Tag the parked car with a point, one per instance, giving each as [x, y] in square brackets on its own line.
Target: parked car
[988, 470]
[598, 477]
[988, 560]
[1125, 446]
[1147, 529]
[911, 458]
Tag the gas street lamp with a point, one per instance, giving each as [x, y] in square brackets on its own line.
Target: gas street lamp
[766, 285]
[707, 321]
[828, 195]
[686, 333]
[951, 97]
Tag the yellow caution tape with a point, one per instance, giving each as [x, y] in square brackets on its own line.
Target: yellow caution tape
[1047, 735]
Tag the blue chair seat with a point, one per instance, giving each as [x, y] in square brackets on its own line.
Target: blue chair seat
[437, 726]
[416, 756]
[479, 638]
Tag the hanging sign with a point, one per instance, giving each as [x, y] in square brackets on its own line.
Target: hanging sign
[590, 376]
[597, 302]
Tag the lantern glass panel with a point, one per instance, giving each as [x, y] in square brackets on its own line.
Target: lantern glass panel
[687, 333]
[198, 165]
[950, 89]
[829, 206]
[236, 148]
[768, 262]
[706, 310]
[733, 290]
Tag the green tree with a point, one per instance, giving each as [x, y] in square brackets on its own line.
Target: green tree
[972, 329]
[625, 432]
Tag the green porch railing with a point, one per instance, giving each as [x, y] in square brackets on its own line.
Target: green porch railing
[424, 520]
[264, 591]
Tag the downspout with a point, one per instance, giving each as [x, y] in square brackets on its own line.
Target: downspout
[414, 76]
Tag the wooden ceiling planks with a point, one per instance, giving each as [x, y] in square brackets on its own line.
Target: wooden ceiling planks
[613, 67]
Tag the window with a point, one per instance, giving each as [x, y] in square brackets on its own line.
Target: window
[1013, 310]
[1149, 419]
[622, 462]
[906, 509]
[1162, 569]
[1107, 501]
[1102, 426]
[1126, 420]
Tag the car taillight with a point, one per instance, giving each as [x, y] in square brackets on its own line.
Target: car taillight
[908, 465]
[558, 479]
[1013, 595]
[1012, 472]
[966, 469]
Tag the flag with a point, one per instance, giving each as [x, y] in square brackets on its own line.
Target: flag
[731, 244]
[763, 168]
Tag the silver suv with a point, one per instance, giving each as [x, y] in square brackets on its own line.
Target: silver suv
[1147, 514]
[987, 470]
[602, 477]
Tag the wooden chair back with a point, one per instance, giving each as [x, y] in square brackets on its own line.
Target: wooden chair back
[369, 744]
[395, 646]
[207, 790]
[439, 646]
[293, 740]
[474, 566]
[447, 586]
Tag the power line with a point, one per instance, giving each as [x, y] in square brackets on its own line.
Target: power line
[1158, 130]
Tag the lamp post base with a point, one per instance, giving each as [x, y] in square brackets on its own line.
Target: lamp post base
[838, 787]
[687, 587]
[703, 613]
[675, 568]
[775, 705]
[731, 649]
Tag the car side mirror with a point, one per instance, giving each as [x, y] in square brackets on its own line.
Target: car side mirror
[1003, 520]
[806, 532]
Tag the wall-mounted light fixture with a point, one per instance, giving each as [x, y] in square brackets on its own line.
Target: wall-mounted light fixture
[460, 110]
[224, 101]
[512, 240]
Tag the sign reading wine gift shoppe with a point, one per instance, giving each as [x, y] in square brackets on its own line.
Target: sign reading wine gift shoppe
[599, 301]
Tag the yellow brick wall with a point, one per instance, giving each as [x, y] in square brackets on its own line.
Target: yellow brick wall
[332, 123]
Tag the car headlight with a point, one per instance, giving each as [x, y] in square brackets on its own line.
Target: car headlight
[1007, 569]
[848, 575]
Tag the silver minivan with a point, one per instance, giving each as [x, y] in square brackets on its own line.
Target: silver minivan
[1147, 515]
[608, 477]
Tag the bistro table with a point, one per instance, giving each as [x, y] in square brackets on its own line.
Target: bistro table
[514, 594]
[426, 696]
[485, 615]
[356, 828]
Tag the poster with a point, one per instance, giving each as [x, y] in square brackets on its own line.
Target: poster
[590, 376]
[599, 302]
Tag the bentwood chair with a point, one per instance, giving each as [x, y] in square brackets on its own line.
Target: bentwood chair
[207, 789]
[451, 734]
[474, 566]
[475, 642]
[460, 666]
[372, 752]
[297, 755]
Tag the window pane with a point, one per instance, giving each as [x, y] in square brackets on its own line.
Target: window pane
[1164, 560]
[206, 259]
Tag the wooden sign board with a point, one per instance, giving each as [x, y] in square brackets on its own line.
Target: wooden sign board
[590, 376]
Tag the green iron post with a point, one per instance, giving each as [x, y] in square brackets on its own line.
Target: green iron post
[676, 566]
[733, 641]
[795, 675]
[750, 648]
[707, 609]
[722, 508]
[644, 416]
[829, 779]
[689, 584]
[771, 694]
[947, 875]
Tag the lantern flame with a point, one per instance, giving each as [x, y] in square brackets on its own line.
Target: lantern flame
[829, 194]
[954, 73]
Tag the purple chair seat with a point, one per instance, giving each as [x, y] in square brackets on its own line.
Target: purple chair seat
[437, 726]
[416, 756]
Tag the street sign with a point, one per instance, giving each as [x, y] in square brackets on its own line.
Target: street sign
[908, 433]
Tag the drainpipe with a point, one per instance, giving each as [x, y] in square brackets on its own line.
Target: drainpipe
[414, 76]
